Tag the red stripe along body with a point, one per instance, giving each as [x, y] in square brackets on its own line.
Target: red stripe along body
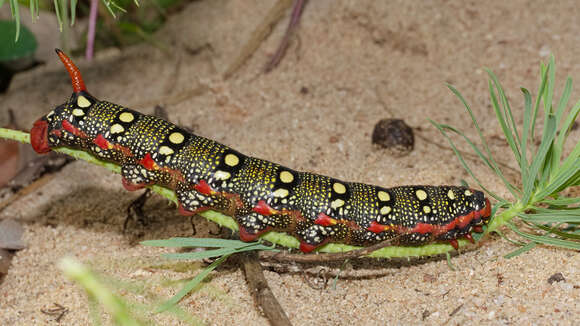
[260, 195]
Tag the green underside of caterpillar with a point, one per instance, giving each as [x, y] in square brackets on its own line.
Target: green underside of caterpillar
[278, 238]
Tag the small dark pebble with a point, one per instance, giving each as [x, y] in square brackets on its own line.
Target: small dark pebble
[304, 90]
[395, 136]
[557, 277]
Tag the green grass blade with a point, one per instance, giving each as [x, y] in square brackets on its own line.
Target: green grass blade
[190, 285]
[541, 90]
[523, 249]
[568, 123]
[494, 166]
[442, 128]
[506, 108]
[548, 218]
[567, 235]
[58, 14]
[503, 124]
[73, 11]
[33, 7]
[563, 201]
[540, 157]
[200, 254]
[115, 306]
[563, 133]
[213, 253]
[524, 170]
[15, 9]
[197, 243]
[551, 84]
[565, 178]
[545, 239]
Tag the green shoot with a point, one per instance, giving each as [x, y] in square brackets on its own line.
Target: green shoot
[62, 10]
[545, 173]
[116, 307]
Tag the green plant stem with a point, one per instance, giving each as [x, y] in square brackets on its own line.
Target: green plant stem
[506, 215]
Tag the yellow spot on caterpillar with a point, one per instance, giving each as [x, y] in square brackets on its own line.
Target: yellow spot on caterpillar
[78, 112]
[83, 102]
[232, 160]
[165, 150]
[339, 188]
[286, 177]
[126, 117]
[176, 138]
[426, 209]
[468, 192]
[337, 203]
[421, 194]
[280, 193]
[383, 196]
[451, 194]
[221, 175]
[117, 129]
[385, 210]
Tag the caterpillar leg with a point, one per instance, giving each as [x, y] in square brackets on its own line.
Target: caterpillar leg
[254, 224]
[193, 201]
[136, 177]
[313, 236]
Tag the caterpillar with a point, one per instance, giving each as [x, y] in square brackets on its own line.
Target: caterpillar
[260, 195]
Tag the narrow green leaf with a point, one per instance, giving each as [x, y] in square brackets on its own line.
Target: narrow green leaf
[550, 218]
[198, 242]
[73, 11]
[563, 134]
[566, 235]
[526, 133]
[529, 246]
[58, 15]
[190, 285]
[551, 85]
[200, 254]
[442, 128]
[494, 166]
[15, 9]
[541, 91]
[213, 253]
[506, 109]
[546, 240]
[463, 163]
[540, 157]
[565, 177]
[562, 201]
[503, 123]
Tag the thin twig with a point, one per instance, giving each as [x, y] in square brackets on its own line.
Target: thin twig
[258, 35]
[261, 292]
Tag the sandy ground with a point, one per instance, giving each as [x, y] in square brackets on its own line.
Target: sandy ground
[356, 62]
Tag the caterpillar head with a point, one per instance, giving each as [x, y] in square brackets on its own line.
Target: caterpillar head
[60, 127]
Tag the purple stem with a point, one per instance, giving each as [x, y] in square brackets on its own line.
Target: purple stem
[92, 27]
[296, 13]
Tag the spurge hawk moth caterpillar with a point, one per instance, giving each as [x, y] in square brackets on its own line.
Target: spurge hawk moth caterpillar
[259, 194]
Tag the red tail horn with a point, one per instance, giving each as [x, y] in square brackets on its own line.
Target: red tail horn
[75, 75]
